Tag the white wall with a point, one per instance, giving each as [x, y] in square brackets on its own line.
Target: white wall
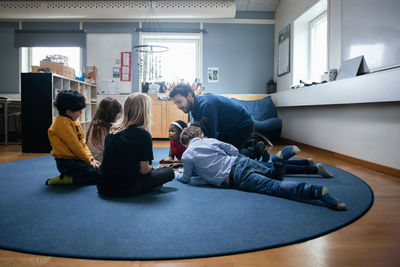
[286, 13]
[366, 131]
[323, 116]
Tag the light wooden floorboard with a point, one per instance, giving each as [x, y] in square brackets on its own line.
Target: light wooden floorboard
[373, 240]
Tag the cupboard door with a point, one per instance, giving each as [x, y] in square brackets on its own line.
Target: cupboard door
[173, 114]
[158, 128]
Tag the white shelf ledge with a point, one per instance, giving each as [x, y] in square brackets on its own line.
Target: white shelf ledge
[370, 88]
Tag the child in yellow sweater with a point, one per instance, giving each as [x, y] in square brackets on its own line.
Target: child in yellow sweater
[73, 158]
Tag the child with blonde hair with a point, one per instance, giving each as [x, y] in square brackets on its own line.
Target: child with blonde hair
[128, 152]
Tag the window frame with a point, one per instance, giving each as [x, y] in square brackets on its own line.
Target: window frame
[311, 27]
[301, 42]
[196, 38]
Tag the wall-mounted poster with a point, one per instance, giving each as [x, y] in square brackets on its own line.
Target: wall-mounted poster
[126, 67]
[213, 75]
[284, 51]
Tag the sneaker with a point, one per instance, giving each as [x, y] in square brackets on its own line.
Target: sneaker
[259, 149]
[265, 156]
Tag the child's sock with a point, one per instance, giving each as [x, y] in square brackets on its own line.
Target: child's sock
[311, 162]
[322, 171]
[279, 161]
[62, 179]
[287, 152]
[321, 193]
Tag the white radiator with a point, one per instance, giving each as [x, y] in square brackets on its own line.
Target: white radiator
[119, 9]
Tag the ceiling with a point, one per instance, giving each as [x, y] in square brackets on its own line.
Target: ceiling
[94, 9]
[257, 5]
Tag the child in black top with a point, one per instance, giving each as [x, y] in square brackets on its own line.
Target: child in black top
[128, 152]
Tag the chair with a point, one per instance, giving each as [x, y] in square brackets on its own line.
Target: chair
[268, 126]
[10, 111]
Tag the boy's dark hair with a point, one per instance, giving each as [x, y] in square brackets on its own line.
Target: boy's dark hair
[69, 99]
[181, 89]
[189, 133]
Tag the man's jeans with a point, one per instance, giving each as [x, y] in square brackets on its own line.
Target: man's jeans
[251, 175]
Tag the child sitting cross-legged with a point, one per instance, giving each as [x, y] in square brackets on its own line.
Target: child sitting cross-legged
[176, 148]
[108, 111]
[218, 163]
[73, 158]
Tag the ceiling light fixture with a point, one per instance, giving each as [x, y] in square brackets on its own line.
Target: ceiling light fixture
[149, 58]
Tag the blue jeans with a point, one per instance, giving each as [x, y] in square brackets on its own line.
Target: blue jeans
[81, 172]
[296, 166]
[251, 175]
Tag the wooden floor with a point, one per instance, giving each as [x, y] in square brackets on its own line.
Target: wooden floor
[373, 240]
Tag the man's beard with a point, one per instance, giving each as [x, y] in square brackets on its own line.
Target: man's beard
[188, 107]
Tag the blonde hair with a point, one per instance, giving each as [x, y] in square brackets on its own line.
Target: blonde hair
[137, 110]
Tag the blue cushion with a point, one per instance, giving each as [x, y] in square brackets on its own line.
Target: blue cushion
[266, 119]
[260, 109]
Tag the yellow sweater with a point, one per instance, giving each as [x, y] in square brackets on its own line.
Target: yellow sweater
[68, 140]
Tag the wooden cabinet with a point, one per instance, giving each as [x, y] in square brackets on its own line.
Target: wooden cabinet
[164, 112]
[38, 93]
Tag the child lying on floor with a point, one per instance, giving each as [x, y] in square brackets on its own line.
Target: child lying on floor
[257, 149]
[218, 163]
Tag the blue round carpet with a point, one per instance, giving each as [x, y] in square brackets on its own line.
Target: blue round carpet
[180, 221]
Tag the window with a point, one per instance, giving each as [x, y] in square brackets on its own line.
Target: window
[36, 54]
[310, 44]
[181, 63]
[318, 47]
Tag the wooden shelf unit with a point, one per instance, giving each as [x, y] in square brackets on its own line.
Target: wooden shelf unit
[38, 93]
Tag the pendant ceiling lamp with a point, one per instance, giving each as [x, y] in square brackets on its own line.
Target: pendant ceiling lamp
[149, 55]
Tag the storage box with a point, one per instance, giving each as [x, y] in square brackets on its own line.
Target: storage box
[53, 66]
[58, 68]
[35, 68]
[68, 72]
[90, 73]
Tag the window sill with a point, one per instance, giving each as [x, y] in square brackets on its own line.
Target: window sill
[370, 88]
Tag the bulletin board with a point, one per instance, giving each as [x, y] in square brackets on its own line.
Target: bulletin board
[284, 51]
[104, 52]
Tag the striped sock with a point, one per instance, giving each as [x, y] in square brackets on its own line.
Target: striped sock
[321, 193]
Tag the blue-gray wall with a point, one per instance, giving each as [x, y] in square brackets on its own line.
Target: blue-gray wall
[9, 67]
[244, 53]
